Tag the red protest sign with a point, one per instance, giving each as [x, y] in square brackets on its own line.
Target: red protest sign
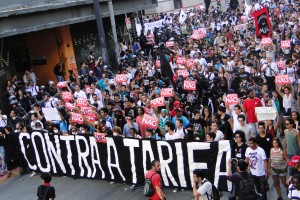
[157, 64]
[189, 85]
[170, 44]
[232, 99]
[197, 36]
[150, 121]
[100, 137]
[281, 65]
[86, 110]
[62, 84]
[285, 44]
[81, 101]
[190, 63]
[266, 41]
[180, 60]
[70, 106]
[282, 79]
[158, 102]
[121, 78]
[91, 118]
[166, 92]
[183, 72]
[77, 118]
[67, 96]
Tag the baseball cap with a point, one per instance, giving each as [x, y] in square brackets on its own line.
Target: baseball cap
[176, 104]
[294, 161]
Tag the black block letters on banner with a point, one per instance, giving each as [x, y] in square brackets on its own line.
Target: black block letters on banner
[126, 159]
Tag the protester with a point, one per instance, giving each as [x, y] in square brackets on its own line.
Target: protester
[202, 188]
[46, 191]
[155, 178]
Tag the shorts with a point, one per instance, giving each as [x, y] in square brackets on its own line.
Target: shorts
[286, 112]
[273, 173]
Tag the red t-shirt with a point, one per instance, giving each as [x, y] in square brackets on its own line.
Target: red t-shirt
[249, 106]
[156, 181]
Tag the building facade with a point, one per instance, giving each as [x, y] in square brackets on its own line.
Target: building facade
[39, 34]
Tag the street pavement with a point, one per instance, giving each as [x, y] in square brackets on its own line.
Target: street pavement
[25, 188]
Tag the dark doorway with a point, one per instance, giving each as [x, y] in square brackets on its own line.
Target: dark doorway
[177, 4]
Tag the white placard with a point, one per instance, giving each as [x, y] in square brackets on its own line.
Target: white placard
[51, 114]
[265, 113]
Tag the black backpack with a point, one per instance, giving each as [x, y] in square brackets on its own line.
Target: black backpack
[148, 188]
[41, 195]
[215, 195]
[247, 187]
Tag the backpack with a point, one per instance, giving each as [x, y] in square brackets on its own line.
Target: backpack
[42, 196]
[247, 187]
[148, 188]
[215, 195]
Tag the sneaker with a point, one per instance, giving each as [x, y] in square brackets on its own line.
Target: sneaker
[175, 190]
[134, 187]
[32, 174]
[112, 182]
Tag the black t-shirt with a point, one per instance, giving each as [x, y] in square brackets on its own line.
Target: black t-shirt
[239, 151]
[228, 131]
[265, 143]
[50, 193]
[198, 124]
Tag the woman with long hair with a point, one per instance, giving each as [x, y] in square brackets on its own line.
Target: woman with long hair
[206, 115]
[278, 164]
[296, 117]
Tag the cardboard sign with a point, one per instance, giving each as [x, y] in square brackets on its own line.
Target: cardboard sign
[157, 64]
[285, 44]
[77, 118]
[265, 113]
[158, 102]
[180, 60]
[189, 85]
[170, 44]
[62, 84]
[166, 92]
[232, 99]
[100, 137]
[81, 102]
[121, 78]
[87, 89]
[70, 106]
[183, 72]
[281, 65]
[190, 63]
[85, 110]
[51, 114]
[150, 121]
[67, 96]
[282, 79]
[266, 41]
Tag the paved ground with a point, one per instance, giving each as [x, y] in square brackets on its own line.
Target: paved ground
[24, 187]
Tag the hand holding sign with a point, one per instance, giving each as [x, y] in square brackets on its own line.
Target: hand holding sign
[266, 41]
[170, 44]
[285, 44]
[62, 84]
[189, 85]
[282, 79]
[150, 121]
[281, 65]
[81, 102]
[121, 78]
[158, 102]
[166, 92]
[232, 99]
[180, 60]
[67, 96]
[183, 72]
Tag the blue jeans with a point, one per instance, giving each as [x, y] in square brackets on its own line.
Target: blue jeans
[2, 153]
[60, 78]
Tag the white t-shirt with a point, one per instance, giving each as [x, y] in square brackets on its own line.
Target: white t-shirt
[174, 136]
[3, 121]
[219, 135]
[180, 132]
[80, 94]
[256, 160]
[204, 189]
[293, 193]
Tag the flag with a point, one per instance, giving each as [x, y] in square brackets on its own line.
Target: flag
[182, 16]
[262, 23]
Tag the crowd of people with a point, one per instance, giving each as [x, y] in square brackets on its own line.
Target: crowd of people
[227, 59]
